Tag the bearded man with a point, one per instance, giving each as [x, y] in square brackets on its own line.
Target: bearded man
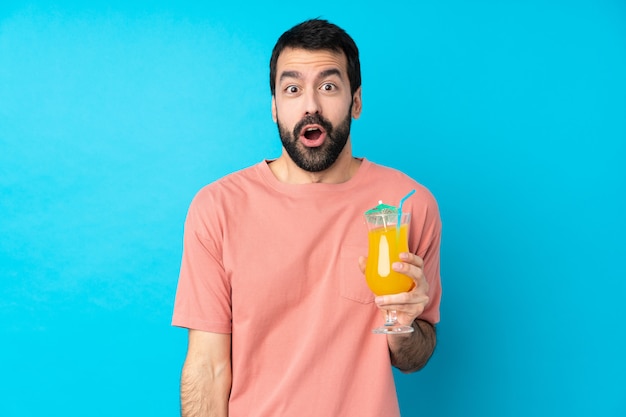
[271, 287]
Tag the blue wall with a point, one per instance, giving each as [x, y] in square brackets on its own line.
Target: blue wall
[512, 112]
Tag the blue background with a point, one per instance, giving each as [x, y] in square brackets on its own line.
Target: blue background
[113, 114]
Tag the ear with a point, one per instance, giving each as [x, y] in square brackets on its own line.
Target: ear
[357, 104]
[274, 117]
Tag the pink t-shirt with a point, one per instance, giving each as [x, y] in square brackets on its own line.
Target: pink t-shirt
[276, 265]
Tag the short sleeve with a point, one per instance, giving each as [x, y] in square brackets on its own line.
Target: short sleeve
[203, 299]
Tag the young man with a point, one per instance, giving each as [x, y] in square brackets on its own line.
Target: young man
[271, 285]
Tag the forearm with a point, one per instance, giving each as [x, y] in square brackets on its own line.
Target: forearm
[204, 390]
[411, 352]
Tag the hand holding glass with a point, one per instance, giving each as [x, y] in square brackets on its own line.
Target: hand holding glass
[387, 239]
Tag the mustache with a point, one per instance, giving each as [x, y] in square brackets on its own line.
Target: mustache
[312, 119]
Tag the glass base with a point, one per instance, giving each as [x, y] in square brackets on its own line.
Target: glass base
[397, 329]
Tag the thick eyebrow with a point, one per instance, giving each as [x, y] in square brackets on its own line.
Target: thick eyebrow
[332, 71]
[297, 74]
[290, 74]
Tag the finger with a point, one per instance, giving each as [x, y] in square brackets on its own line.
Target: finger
[412, 271]
[402, 299]
[362, 263]
[412, 258]
[408, 309]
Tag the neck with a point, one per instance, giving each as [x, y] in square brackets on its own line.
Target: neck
[285, 170]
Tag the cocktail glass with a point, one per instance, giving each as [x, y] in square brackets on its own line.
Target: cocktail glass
[384, 248]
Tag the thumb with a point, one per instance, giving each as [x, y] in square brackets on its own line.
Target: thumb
[362, 263]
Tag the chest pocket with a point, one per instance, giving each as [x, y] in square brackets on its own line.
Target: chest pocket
[352, 283]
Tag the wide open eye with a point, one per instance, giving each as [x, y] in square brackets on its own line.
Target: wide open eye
[328, 87]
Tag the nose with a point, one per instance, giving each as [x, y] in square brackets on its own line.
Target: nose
[311, 103]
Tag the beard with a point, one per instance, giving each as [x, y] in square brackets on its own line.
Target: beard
[322, 157]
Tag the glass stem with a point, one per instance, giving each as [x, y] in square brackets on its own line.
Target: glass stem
[391, 318]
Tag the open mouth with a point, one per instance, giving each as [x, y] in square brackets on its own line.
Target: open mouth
[312, 133]
[312, 136]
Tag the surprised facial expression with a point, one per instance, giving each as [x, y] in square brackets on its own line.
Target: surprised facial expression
[313, 106]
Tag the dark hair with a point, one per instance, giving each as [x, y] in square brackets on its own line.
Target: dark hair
[318, 34]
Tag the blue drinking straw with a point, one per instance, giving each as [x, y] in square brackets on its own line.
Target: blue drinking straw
[400, 214]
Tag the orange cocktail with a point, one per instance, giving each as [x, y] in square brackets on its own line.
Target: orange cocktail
[386, 242]
[385, 245]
